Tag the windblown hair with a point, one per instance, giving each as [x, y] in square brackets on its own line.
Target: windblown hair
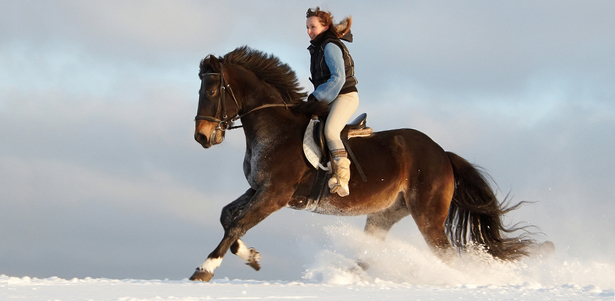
[326, 19]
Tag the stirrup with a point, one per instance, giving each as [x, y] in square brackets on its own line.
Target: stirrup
[339, 189]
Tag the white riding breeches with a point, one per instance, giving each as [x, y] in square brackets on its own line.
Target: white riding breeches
[342, 109]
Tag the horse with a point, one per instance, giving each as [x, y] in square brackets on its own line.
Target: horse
[406, 172]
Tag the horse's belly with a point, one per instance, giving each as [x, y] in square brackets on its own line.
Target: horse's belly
[352, 205]
[328, 208]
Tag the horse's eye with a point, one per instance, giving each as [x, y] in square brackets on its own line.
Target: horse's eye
[211, 92]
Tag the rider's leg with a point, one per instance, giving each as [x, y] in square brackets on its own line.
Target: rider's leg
[342, 109]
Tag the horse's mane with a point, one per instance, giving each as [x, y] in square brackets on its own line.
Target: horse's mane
[271, 70]
[268, 68]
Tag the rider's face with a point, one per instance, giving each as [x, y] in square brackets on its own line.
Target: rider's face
[314, 27]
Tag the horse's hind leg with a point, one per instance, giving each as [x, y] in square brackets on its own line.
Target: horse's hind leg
[434, 234]
[430, 217]
[380, 223]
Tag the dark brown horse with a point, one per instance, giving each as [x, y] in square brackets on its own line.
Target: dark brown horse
[407, 173]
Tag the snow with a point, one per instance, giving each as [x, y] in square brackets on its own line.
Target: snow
[399, 270]
[223, 289]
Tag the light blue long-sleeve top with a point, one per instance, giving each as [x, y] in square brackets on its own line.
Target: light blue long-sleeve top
[334, 58]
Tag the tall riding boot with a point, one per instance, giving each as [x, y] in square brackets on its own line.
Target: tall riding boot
[341, 169]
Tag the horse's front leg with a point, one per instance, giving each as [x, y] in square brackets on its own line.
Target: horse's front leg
[229, 213]
[258, 205]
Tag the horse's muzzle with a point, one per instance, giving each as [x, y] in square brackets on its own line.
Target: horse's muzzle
[216, 137]
[202, 140]
[204, 133]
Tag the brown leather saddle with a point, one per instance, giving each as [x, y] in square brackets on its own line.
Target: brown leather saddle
[356, 128]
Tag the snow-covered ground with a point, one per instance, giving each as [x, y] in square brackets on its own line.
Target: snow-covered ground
[130, 289]
[398, 271]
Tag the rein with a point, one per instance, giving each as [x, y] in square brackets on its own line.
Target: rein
[225, 123]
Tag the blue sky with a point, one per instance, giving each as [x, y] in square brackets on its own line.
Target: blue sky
[100, 175]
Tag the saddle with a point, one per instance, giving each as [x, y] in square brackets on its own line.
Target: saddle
[317, 153]
[314, 144]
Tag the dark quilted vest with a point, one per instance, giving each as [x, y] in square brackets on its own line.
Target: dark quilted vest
[318, 67]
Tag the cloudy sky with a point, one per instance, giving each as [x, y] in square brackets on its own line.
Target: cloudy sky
[100, 175]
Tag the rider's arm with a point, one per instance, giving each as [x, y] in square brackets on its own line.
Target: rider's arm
[335, 61]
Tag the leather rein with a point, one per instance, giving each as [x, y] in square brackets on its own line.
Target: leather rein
[226, 123]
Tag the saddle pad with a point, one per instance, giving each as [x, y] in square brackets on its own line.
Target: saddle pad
[312, 151]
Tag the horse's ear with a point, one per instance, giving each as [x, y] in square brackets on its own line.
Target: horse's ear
[214, 63]
[212, 60]
[210, 64]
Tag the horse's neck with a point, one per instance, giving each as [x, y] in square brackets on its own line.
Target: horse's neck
[267, 128]
[270, 126]
[268, 136]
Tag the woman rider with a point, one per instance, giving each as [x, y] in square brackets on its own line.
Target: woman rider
[332, 70]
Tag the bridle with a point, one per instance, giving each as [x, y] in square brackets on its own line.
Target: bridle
[226, 123]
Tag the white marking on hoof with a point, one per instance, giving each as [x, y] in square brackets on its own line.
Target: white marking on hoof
[249, 255]
[243, 252]
[211, 264]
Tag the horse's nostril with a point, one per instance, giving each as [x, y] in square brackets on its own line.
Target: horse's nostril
[202, 140]
[200, 137]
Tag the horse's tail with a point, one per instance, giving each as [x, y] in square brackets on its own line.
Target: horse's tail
[475, 215]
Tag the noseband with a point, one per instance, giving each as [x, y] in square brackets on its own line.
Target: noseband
[225, 123]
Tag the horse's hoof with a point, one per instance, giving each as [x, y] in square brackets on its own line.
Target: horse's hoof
[201, 275]
[255, 265]
[254, 260]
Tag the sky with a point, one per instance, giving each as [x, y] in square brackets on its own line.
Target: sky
[100, 175]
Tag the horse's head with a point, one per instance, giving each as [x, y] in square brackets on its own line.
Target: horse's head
[260, 81]
[216, 110]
